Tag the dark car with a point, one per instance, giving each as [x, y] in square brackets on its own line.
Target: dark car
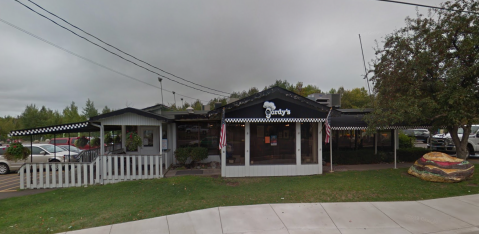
[419, 134]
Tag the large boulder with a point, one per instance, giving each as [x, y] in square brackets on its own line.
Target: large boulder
[440, 167]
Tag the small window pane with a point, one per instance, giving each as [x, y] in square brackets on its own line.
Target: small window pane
[147, 138]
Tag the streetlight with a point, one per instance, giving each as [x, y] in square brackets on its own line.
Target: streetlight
[161, 84]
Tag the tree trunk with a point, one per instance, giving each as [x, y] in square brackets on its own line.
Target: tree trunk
[461, 144]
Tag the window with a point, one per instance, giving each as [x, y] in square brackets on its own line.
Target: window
[235, 143]
[273, 143]
[147, 138]
[36, 150]
[309, 143]
[203, 134]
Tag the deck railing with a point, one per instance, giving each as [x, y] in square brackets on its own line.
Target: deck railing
[103, 170]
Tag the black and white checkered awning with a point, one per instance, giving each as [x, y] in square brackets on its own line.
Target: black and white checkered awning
[273, 120]
[385, 128]
[49, 130]
[63, 128]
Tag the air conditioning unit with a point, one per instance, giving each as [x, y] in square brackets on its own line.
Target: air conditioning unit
[330, 100]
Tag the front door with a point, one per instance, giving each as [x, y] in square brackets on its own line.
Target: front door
[150, 138]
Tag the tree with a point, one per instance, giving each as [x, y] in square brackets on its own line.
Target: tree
[356, 98]
[89, 110]
[332, 91]
[106, 110]
[70, 114]
[428, 72]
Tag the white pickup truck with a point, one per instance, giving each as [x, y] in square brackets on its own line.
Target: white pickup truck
[443, 142]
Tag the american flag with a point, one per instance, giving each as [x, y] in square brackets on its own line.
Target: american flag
[223, 131]
[328, 127]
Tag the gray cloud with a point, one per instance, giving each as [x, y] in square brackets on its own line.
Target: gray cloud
[226, 45]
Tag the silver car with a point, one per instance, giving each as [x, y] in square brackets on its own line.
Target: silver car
[42, 153]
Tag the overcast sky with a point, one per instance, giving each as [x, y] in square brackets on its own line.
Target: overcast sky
[223, 44]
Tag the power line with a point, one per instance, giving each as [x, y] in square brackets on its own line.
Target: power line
[122, 50]
[117, 54]
[87, 59]
[427, 6]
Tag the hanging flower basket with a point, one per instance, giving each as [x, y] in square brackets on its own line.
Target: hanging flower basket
[133, 141]
[16, 151]
[81, 142]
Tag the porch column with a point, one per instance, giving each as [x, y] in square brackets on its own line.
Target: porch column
[123, 137]
[102, 140]
[395, 147]
[331, 150]
[298, 143]
[320, 147]
[223, 162]
[247, 138]
[161, 138]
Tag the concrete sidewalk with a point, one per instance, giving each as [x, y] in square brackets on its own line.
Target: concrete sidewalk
[452, 215]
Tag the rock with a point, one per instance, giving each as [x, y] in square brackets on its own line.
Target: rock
[213, 165]
[440, 167]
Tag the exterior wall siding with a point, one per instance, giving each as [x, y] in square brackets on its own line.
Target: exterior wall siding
[272, 170]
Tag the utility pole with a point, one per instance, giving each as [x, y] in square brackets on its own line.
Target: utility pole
[161, 85]
[174, 98]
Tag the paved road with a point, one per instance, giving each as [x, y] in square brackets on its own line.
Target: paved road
[452, 215]
[9, 182]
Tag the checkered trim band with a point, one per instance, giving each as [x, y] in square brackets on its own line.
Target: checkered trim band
[265, 120]
[48, 129]
[385, 128]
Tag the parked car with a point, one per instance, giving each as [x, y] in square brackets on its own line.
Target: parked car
[71, 141]
[443, 142]
[71, 148]
[419, 134]
[42, 153]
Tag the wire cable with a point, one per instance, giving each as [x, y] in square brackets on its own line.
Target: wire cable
[111, 52]
[87, 59]
[122, 50]
[427, 6]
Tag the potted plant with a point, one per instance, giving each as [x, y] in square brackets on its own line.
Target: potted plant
[16, 151]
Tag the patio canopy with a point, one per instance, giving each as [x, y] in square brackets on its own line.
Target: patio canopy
[63, 128]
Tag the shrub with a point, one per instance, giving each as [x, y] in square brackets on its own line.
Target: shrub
[199, 153]
[411, 154]
[81, 142]
[182, 154]
[108, 139]
[406, 141]
[16, 152]
[95, 142]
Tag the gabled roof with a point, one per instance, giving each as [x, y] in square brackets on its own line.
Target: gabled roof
[278, 92]
[128, 110]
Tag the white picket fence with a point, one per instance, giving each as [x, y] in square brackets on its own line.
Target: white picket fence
[103, 170]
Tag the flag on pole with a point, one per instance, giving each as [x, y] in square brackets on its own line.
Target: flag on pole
[328, 127]
[223, 131]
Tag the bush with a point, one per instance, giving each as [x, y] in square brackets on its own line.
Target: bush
[361, 156]
[199, 153]
[95, 142]
[406, 141]
[108, 138]
[182, 154]
[411, 154]
[81, 142]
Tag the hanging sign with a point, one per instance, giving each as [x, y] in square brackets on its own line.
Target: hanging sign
[271, 110]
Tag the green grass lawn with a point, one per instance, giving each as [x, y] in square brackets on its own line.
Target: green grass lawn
[78, 208]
